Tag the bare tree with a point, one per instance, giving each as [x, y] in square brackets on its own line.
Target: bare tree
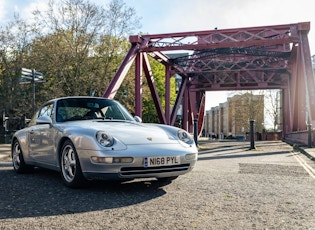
[244, 106]
[272, 107]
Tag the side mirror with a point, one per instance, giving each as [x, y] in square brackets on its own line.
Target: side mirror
[138, 119]
[43, 120]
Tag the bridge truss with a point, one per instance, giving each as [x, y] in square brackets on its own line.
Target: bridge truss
[268, 57]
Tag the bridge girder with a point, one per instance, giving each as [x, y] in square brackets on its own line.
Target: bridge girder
[267, 57]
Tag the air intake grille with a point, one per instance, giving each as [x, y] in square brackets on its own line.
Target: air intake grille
[134, 171]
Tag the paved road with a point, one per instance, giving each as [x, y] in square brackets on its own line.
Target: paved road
[232, 187]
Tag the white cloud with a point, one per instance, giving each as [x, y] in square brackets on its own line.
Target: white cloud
[2, 9]
[214, 98]
[26, 12]
[180, 16]
[167, 16]
[268, 12]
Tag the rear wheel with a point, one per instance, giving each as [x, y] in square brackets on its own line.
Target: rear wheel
[18, 160]
[71, 172]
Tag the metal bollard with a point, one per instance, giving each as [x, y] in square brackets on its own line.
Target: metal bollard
[196, 131]
[309, 129]
[252, 136]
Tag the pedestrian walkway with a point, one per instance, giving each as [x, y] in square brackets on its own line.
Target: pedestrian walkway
[5, 152]
[309, 152]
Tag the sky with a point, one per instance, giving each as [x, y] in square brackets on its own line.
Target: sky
[169, 16]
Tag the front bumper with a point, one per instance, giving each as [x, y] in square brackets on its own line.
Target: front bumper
[137, 169]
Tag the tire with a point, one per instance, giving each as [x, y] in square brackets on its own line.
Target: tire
[71, 172]
[18, 162]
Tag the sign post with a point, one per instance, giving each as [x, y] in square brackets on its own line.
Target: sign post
[30, 76]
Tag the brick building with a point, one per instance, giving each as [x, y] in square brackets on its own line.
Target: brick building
[231, 119]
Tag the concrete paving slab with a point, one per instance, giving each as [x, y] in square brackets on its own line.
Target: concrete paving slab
[5, 152]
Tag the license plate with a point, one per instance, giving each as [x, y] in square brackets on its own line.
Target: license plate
[161, 161]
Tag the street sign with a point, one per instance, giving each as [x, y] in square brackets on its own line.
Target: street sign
[31, 76]
[31, 72]
[39, 74]
[23, 82]
[39, 80]
[27, 72]
[28, 76]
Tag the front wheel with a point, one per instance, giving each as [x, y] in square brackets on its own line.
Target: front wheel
[18, 160]
[71, 172]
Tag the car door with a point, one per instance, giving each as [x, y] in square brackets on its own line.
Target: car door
[41, 137]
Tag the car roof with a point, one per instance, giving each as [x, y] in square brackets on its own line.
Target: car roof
[76, 97]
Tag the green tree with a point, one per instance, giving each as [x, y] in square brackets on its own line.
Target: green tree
[149, 111]
[76, 44]
[86, 45]
[14, 48]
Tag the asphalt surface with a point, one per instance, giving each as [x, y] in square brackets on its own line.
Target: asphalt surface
[231, 187]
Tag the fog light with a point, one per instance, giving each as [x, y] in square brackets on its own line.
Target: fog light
[122, 159]
[111, 160]
[104, 160]
[190, 156]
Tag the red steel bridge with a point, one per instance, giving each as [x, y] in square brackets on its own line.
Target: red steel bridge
[267, 57]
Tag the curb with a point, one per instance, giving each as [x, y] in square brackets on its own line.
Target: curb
[311, 156]
[309, 152]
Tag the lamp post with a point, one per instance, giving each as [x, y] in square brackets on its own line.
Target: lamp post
[309, 131]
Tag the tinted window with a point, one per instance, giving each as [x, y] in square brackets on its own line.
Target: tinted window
[90, 108]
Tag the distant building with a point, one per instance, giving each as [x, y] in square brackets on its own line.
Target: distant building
[231, 119]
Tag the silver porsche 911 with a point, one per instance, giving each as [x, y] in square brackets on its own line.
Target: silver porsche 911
[87, 138]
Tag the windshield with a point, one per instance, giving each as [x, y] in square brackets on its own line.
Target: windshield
[70, 109]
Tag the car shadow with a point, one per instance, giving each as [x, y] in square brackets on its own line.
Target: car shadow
[42, 193]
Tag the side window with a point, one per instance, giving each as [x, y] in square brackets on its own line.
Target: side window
[47, 110]
[33, 120]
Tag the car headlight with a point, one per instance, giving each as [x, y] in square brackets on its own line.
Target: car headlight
[104, 139]
[185, 137]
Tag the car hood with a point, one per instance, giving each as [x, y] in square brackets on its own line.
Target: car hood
[128, 132]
